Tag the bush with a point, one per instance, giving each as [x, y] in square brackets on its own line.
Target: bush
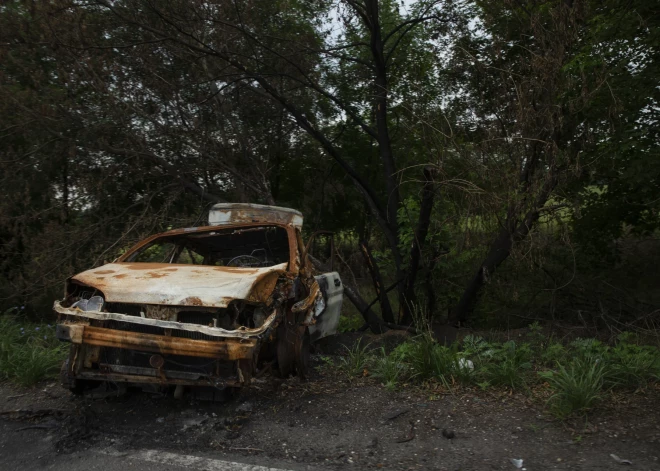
[579, 373]
[553, 353]
[633, 365]
[508, 365]
[29, 353]
[576, 387]
[389, 369]
[356, 359]
[429, 360]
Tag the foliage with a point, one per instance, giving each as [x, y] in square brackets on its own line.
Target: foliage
[350, 321]
[633, 365]
[356, 359]
[540, 120]
[577, 387]
[578, 373]
[508, 365]
[389, 369]
[29, 353]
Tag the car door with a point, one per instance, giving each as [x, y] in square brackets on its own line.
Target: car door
[327, 321]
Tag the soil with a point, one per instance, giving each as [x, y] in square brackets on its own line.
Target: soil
[331, 422]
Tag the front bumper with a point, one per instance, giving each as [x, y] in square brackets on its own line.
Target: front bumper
[231, 353]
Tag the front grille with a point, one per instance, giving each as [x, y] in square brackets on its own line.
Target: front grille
[119, 356]
[194, 317]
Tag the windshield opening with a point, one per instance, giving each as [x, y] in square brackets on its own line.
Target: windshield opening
[261, 246]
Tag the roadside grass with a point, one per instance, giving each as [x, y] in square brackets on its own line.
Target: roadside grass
[571, 377]
[356, 359]
[389, 369]
[577, 387]
[29, 352]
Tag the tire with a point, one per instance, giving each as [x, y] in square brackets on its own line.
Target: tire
[302, 351]
[285, 350]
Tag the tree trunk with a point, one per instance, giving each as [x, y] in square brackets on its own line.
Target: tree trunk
[421, 232]
[385, 307]
[501, 247]
[393, 199]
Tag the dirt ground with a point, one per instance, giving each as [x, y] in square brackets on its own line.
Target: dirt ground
[330, 422]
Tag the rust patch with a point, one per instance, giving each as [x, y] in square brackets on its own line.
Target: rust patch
[263, 287]
[227, 349]
[100, 277]
[104, 272]
[247, 271]
[192, 301]
[153, 274]
[120, 276]
[148, 266]
[164, 313]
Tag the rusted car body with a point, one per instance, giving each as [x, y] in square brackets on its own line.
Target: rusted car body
[202, 306]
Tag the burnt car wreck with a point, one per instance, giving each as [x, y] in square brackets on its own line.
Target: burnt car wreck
[203, 306]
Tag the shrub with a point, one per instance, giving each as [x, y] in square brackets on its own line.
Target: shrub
[29, 353]
[633, 365]
[576, 387]
[389, 369]
[508, 365]
[554, 353]
[356, 359]
[429, 360]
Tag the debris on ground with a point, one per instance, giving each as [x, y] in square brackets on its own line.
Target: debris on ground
[620, 460]
[448, 434]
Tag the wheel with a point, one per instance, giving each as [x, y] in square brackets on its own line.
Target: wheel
[285, 349]
[244, 370]
[302, 352]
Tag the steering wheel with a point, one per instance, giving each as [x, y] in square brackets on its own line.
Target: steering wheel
[246, 261]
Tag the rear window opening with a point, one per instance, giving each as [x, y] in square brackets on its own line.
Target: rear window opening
[262, 246]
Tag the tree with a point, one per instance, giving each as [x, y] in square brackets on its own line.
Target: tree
[531, 131]
[266, 49]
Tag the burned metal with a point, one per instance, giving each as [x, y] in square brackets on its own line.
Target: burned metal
[203, 306]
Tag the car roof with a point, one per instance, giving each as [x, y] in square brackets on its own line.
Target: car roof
[226, 214]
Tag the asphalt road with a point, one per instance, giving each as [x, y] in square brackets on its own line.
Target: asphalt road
[33, 449]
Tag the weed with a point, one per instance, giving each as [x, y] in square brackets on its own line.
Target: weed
[350, 322]
[576, 387]
[326, 362]
[389, 369]
[419, 355]
[536, 335]
[28, 352]
[476, 347]
[588, 348]
[509, 365]
[483, 385]
[633, 365]
[554, 353]
[356, 359]
[30, 363]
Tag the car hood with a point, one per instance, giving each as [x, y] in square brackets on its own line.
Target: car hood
[181, 285]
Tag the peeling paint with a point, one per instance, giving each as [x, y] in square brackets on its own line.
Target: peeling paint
[174, 285]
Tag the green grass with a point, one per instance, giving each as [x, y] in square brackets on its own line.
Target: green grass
[389, 369]
[356, 359]
[29, 353]
[577, 387]
[578, 374]
[509, 366]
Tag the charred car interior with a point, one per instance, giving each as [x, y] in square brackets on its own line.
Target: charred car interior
[212, 306]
